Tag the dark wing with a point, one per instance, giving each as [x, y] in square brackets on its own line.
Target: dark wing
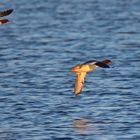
[6, 12]
[97, 63]
[90, 62]
[3, 21]
[101, 64]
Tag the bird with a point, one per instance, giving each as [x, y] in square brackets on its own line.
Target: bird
[81, 71]
[5, 13]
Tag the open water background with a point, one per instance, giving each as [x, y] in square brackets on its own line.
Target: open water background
[37, 51]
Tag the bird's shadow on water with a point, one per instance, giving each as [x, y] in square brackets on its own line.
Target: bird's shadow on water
[76, 107]
[88, 127]
[84, 126]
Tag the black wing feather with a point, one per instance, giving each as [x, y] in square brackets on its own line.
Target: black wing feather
[6, 12]
[90, 62]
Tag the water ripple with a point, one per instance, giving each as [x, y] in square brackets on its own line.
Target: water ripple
[39, 48]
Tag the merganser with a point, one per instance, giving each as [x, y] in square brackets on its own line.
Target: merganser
[81, 70]
[5, 13]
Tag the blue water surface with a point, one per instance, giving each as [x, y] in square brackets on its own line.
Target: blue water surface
[37, 51]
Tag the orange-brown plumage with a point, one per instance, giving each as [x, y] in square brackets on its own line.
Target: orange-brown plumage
[5, 13]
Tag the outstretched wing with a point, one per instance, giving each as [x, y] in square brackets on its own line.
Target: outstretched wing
[6, 12]
[79, 82]
[102, 64]
[90, 62]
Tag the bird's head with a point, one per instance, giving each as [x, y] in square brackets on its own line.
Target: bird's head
[107, 61]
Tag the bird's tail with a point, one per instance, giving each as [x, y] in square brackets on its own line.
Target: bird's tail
[76, 68]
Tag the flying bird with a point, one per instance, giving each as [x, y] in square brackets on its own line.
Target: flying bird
[5, 13]
[81, 70]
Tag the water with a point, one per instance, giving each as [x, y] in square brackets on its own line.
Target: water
[39, 48]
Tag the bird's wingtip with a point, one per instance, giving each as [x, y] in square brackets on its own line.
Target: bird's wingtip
[76, 94]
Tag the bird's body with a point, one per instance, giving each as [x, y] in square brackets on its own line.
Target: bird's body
[5, 13]
[81, 70]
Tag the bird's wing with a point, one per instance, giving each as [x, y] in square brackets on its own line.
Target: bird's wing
[3, 21]
[90, 62]
[79, 82]
[6, 12]
[102, 64]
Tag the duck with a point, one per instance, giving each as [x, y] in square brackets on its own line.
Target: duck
[5, 13]
[81, 71]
